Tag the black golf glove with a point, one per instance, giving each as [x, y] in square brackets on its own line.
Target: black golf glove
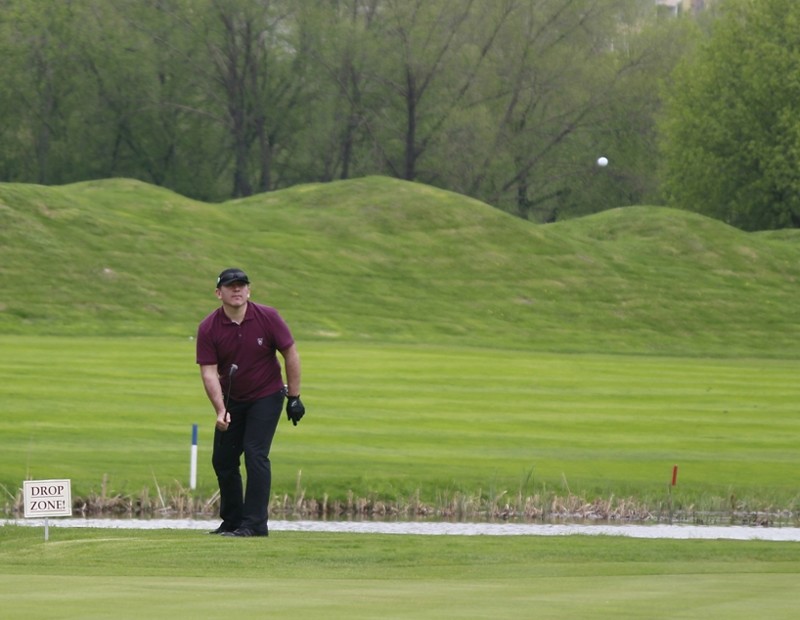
[294, 409]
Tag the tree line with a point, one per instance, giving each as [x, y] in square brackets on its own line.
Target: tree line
[507, 101]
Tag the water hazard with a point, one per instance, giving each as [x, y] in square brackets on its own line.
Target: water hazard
[430, 528]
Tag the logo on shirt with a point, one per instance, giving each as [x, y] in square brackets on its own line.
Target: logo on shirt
[260, 342]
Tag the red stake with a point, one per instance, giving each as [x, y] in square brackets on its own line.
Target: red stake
[674, 474]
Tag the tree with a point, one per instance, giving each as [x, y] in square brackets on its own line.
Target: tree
[573, 79]
[509, 101]
[731, 128]
[134, 134]
[245, 64]
[41, 100]
[337, 141]
[257, 69]
[432, 52]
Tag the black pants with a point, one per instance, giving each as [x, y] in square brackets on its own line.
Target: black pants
[250, 432]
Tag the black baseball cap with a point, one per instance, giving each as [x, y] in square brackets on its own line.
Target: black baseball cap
[229, 276]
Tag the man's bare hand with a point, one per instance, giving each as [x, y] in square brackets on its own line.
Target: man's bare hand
[223, 420]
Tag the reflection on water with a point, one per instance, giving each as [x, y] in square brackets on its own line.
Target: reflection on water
[428, 528]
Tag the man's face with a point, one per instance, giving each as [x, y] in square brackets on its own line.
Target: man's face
[234, 294]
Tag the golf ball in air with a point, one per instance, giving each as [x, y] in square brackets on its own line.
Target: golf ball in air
[602, 162]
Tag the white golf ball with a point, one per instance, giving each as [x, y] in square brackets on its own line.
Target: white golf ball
[602, 162]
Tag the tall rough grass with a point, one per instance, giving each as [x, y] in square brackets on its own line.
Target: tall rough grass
[176, 501]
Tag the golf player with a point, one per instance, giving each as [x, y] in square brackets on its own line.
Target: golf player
[237, 348]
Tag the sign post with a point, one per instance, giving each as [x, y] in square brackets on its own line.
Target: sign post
[47, 498]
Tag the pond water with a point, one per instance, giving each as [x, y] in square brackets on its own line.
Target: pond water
[430, 528]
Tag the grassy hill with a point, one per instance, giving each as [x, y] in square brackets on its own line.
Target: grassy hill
[383, 260]
[493, 403]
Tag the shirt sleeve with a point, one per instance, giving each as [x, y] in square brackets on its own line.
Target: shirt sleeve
[282, 335]
[206, 351]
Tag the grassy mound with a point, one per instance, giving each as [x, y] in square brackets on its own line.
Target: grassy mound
[382, 260]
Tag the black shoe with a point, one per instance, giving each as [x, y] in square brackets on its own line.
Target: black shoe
[224, 528]
[244, 532]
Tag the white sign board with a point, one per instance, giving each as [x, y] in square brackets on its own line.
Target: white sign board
[47, 498]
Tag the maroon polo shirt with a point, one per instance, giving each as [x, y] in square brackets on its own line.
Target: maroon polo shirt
[251, 346]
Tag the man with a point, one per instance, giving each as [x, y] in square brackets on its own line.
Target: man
[236, 351]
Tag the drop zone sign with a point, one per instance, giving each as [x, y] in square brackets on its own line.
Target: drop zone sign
[47, 498]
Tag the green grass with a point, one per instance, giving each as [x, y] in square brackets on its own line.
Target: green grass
[391, 422]
[450, 351]
[124, 574]
[452, 354]
[380, 260]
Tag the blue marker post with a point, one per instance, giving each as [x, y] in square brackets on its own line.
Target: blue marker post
[193, 464]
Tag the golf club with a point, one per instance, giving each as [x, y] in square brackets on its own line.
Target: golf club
[231, 372]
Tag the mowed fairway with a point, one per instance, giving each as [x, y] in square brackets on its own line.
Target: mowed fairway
[178, 574]
[396, 422]
[432, 420]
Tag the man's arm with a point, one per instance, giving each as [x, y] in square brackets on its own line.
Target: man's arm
[291, 360]
[214, 392]
[294, 406]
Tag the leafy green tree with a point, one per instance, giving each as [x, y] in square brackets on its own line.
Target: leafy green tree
[642, 53]
[572, 80]
[42, 99]
[87, 95]
[731, 129]
[243, 47]
[339, 138]
[152, 73]
[240, 64]
[133, 133]
[431, 54]
[508, 101]
[256, 74]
